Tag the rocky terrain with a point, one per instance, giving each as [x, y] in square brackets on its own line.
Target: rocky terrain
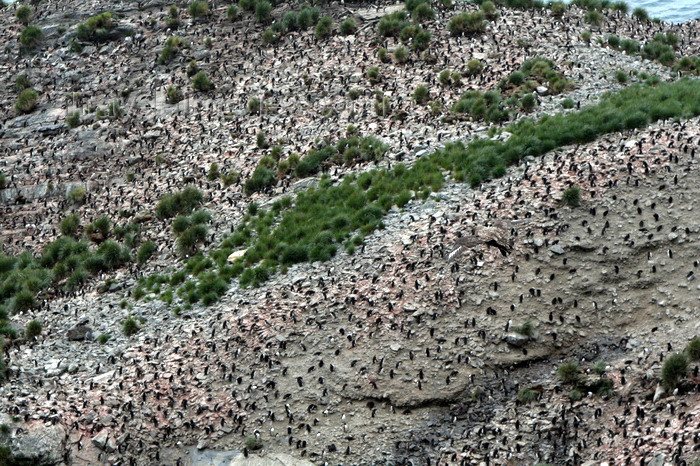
[420, 347]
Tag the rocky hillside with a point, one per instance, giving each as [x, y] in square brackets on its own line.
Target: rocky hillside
[240, 233]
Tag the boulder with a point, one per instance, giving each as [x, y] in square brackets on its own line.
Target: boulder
[556, 249]
[236, 255]
[516, 339]
[78, 333]
[42, 444]
[104, 441]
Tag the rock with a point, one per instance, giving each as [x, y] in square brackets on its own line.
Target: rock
[659, 460]
[78, 333]
[236, 458]
[104, 442]
[516, 339]
[50, 130]
[395, 347]
[541, 90]
[556, 249]
[236, 255]
[41, 444]
[659, 393]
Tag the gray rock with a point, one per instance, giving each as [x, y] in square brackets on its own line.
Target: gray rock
[41, 444]
[47, 130]
[659, 393]
[556, 249]
[541, 90]
[78, 333]
[236, 458]
[516, 339]
[659, 460]
[104, 442]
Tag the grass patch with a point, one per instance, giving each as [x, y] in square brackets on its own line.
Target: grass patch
[673, 370]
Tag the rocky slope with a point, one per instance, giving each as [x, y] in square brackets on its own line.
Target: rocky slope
[403, 353]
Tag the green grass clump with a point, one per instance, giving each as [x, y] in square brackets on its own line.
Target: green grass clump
[145, 252]
[27, 101]
[467, 23]
[373, 75]
[527, 395]
[174, 95]
[262, 179]
[568, 372]
[97, 28]
[201, 82]
[392, 24]
[24, 14]
[594, 18]
[558, 9]
[401, 54]
[180, 203]
[103, 338]
[568, 103]
[474, 67]
[191, 231]
[324, 27]
[347, 27]
[130, 327]
[692, 350]
[3, 181]
[33, 329]
[232, 12]
[423, 13]
[630, 46]
[421, 94]
[31, 37]
[486, 106]
[101, 226]
[528, 102]
[527, 329]
[22, 82]
[73, 119]
[641, 14]
[172, 46]
[198, 9]
[65, 263]
[253, 443]
[262, 12]
[69, 225]
[572, 196]
[673, 370]
[688, 64]
[621, 77]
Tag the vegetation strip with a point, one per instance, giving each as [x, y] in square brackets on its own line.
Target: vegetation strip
[324, 218]
[329, 216]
